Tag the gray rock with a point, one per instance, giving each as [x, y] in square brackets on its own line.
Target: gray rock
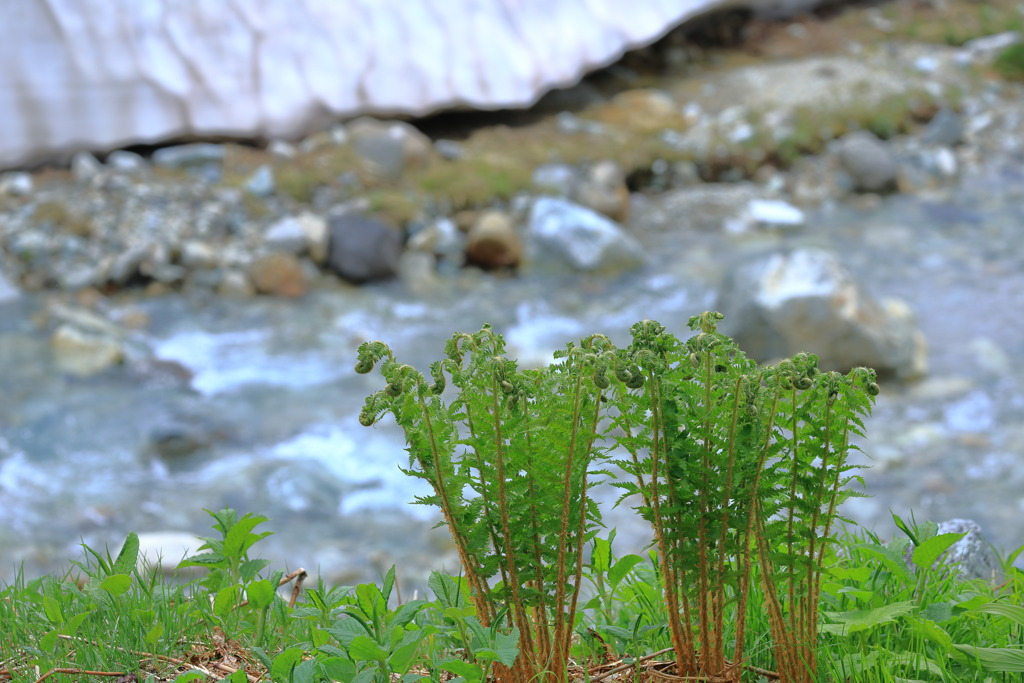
[558, 178]
[195, 154]
[197, 254]
[388, 148]
[946, 128]
[360, 249]
[448, 149]
[85, 167]
[580, 238]
[76, 276]
[84, 353]
[804, 300]
[317, 236]
[871, 164]
[602, 188]
[261, 182]
[16, 184]
[8, 291]
[281, 149]
[769, 214]
[440, 237]
[235, 283]
[287, 234]
[126, 162]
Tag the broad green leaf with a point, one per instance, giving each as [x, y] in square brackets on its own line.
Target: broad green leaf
[469, 671]
[284, 663]
[344, 630]
[202, 560]
[305, 672]
[49, 641]
[52, 610]
[238, 540]
[622, 568]
[190, 676]
[450, 591]
[892, 558]
[237, 676]
[128, 558]
[370, 600]
[401, 659]
[225, 601]
[338, 668]
[74, 622]
[929, 629]
[116, 584]
[389, 583]
[1013, 612]
[313, 595]
[154, 634]
[366, 675]
[929, 551]
[250, 568]
[861, 620]
[601, 558]
[995, 659]
[260, 593]
[406, 613]
[938, 612]
[364, 648]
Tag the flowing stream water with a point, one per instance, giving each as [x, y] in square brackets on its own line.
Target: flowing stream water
[253, 404]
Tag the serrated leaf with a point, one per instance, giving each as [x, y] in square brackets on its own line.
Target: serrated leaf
[238, 539]
[406, 613]
[202, 560]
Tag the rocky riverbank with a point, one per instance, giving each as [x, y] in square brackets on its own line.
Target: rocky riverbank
[182, 319]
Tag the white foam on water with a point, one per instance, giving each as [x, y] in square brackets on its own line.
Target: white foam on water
[221, 362]
[374, 460]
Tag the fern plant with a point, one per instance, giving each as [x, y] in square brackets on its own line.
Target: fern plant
[731, 461]
[813, 416]
[510, 462]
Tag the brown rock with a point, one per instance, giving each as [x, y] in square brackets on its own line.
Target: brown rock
[493, 242]
[278, 274]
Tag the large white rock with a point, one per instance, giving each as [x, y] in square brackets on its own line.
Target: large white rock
[569, 234]
[101, 74]
[782, 303]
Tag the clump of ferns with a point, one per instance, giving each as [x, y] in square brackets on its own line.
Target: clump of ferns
[509, 460]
